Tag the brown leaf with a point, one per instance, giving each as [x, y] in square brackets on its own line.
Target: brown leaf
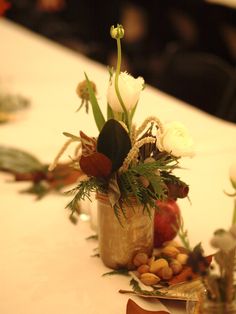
[88, 144]
[133, 308]
[96, 165]
[187, 273]
[63, 175]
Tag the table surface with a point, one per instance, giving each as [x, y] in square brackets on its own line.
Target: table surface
[227, 3]
[46, 263]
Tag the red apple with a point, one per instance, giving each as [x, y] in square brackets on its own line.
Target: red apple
[166, 221]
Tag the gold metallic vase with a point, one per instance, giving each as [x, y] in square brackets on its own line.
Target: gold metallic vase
[120, 241]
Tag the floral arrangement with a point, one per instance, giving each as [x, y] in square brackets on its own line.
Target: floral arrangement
[218, 279]
[125, 160]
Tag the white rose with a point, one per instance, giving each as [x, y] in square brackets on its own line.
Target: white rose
[175, 140]
[232, 174]
[129, 88]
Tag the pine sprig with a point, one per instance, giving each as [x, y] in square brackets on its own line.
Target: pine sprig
[130, 183]
[136, 288]
[166, 163]
[122, 271]
[171, 178]
[83, 190]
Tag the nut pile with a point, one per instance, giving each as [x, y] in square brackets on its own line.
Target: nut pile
[166, 262]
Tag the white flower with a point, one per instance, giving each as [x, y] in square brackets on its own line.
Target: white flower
[224, 241]
[175, 140]
[129, 88]
[232, 174]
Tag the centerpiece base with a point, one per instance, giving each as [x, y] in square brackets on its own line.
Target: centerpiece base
[120, 239]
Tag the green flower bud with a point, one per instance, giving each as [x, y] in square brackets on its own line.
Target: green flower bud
[117, 32]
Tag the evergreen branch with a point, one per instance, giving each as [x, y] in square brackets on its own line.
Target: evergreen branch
[137, 289]
[83, 190]
[122, 271]
[183, 235]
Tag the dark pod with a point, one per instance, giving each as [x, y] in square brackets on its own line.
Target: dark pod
[114, 142]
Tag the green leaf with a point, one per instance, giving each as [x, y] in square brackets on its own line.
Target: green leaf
[97, 113]
[113, 190]
[122, 271]
[133, 112]
[114, 142]
[39, 189]
[11, 103]
[72, 136]
[136, 288]
[16, 160]
[110, 114]
[92, 237]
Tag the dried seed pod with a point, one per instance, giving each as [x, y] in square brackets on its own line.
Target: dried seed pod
[149, 279]
[140, 259]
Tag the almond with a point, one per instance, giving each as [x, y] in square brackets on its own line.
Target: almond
[140, 259]
[170, 251]
[149, 279]
[156, 265]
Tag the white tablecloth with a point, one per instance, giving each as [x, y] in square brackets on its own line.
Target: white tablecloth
[45, 262]
[227, 3]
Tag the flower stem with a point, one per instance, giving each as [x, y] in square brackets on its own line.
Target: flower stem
[127, 118]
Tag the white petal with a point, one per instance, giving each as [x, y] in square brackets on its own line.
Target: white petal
[129, 88]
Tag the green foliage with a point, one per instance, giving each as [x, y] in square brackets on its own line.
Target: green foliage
[18, 161]
[37, 188]
[97, 113]
[136, 288]
[11, 103]
[122, 271]
[83, 190]
[171, 178]
[110, 113]
[130, 183]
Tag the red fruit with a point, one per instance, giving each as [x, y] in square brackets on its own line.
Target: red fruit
[166, 221]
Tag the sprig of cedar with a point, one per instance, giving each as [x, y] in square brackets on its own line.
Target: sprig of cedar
[129, 184]
[82, 191]
[136, 289]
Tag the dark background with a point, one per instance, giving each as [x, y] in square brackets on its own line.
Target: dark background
[159, 35]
